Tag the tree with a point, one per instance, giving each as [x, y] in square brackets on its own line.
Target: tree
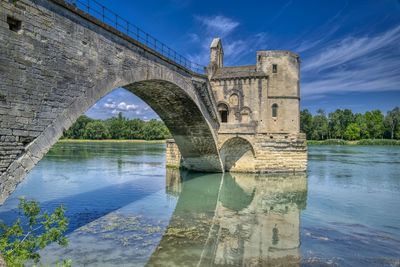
[135, 129]
[335, 125]
[117, 127]
[22, 241]
[155, 130]
[338, 122]
[96, 130]
[320, 126]
[306, 122]
[392, 122]
[374, 121]
[352, 132]
[76, 131]
[361, 122]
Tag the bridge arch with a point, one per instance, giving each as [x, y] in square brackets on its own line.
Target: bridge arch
[237, 154]
[172, 96]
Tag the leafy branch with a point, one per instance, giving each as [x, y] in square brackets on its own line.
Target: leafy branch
[21, 242]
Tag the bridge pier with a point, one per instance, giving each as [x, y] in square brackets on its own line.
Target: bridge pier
[268, 153]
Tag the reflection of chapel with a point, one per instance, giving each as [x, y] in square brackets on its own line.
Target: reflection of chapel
[261, 98]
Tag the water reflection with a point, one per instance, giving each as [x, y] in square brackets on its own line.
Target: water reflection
[124, 210]
[233, 220]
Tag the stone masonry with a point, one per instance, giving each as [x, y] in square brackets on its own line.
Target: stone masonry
[56, 61]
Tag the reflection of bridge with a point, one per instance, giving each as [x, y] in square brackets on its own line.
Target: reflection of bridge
[233, 219]
[58, 59]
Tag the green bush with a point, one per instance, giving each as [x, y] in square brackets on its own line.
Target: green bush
[378, 142]
[22, 241]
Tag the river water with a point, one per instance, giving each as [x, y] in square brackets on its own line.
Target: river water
[126, 209]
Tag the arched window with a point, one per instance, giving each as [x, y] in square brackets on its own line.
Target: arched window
[223, 112]
[275, 110]
[234, 100]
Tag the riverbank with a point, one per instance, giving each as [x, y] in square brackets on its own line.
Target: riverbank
[363, 142]
[109, 141]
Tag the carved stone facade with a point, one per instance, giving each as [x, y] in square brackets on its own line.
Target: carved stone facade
[259, 112]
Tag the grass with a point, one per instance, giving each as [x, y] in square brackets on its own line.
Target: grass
[363, 142]
[108, 141]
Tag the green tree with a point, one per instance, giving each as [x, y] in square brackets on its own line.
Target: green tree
[155, 130]
[361, 122]
[352, 132]
[374, 121]
[335, 125]
[117, 127]
[22, 241]
[76, 131]
[338, 122]
[135, 129]
[306, 123]
[392, 123]
[320, 126]
[96, 130]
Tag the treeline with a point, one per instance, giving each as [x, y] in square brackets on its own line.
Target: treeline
[344, 124]
[117, 128]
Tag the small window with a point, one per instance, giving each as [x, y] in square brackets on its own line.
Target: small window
[275, 110]
[14, 24]
[274, 68]
[223, 112]
[224, 115]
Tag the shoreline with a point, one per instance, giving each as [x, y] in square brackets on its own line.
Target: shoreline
[110, 141]
[362, 142]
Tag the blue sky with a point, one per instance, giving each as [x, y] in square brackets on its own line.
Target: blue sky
[350, 50]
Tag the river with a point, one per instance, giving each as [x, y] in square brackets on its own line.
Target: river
[126, 209]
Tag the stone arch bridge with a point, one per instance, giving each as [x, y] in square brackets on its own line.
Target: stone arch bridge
[61, 61]
[56, 61]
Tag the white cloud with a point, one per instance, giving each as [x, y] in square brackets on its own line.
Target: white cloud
[354, 64]
[110, 105]
[122, 106]
[126, 107]
[351, 48]
[218, 25]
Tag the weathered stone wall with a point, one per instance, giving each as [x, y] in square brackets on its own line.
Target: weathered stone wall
[246, 100]
[61, 61]
[172, 154]
[283, 90]
[264, 153]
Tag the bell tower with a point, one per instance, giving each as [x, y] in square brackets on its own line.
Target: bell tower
[216, 57]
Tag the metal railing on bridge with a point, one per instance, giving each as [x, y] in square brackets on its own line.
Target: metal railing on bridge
[107, 16]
